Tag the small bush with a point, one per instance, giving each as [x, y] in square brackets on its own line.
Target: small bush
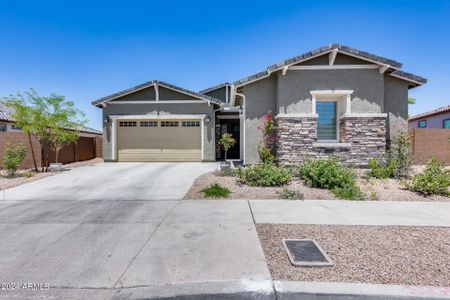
[330, 174]
[434, 180]
[28, 174]
[382, 170]
[14, 156]
[349, 192]
[288, 194]
[216, 191]
[326, 174]
[264, 175]
[227, 172]
[400, 152]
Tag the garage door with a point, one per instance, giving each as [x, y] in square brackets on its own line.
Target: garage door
[159, 140]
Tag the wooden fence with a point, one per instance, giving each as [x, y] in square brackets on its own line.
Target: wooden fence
[427, 143]
[84, 149]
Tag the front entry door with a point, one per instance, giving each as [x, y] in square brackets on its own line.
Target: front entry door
[230, 126]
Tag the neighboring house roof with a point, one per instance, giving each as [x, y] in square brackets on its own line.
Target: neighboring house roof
[6, 113]
[213, 88]
[437, 111]
[151, 83]
[327, 49]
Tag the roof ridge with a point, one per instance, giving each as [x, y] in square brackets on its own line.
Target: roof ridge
[431, 112]
[150, 83]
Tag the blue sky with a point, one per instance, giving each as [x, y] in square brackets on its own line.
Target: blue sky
[89, 49]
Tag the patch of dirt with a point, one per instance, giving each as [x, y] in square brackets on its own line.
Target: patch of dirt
[374, 189]
[25, 176]
[367, 254]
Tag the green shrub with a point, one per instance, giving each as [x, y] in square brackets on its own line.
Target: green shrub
[326, 174]
[400, 152]
[14, 156]
[332, 175]
[227, 172]
[28, 174]
[349, 192]
[382, 170]
[288, 194]
[216, 191]
[434, 180]
[264, 175]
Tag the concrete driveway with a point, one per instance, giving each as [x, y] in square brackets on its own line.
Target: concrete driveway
[115, 181]
[130, 249]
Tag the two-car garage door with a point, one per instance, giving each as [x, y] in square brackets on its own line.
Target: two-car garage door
[159, 140]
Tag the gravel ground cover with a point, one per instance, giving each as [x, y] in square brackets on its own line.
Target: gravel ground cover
[6, 183]
[374, 189]
[367, 254]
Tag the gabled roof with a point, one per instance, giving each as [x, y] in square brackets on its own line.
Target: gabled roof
[437, 111]
[6, 115]
[215, 87]
[327, 49]
[151, 83]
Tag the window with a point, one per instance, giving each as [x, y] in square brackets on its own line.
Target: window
[2, 127]
[127, 123]
[15, 127]
[169, 123]
[326, 124]
[190, 124]
[148, 124]
[445, 124]
[422, 124]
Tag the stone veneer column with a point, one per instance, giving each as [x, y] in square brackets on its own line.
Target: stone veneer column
[361, 138]
[367, 136]
[296, 136]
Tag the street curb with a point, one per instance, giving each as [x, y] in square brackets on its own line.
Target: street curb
[302, 290]
[240, 289]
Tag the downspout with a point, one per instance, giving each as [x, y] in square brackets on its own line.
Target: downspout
[214, 128]
[234, 93]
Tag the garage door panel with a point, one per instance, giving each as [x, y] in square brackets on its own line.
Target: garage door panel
[159, 143]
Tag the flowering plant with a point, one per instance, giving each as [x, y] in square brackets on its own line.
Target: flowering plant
[266, 148]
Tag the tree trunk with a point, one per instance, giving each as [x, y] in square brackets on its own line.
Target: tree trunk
[56, 155]
[32, 153]
[225, 155]
[42, 156]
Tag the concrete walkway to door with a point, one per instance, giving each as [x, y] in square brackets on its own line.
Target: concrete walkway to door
[115, 181]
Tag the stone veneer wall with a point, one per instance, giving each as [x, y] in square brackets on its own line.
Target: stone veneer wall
[361, 138]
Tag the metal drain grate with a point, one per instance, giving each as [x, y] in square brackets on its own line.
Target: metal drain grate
[306, 253]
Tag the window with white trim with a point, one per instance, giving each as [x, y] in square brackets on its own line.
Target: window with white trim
[422, 124]
[329, 105]
[148, 124]
[127, 123]
[2, 127]
[169, 123]
[190, 123]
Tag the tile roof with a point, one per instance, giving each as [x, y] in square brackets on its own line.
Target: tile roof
[439, 110]
[6, 112]
[150, 83]
[215, 87]
[327, 49]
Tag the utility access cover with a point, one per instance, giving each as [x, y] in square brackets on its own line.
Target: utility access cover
[306, 253]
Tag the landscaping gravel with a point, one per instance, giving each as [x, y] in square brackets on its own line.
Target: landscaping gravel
[367, 254]
[374, 189]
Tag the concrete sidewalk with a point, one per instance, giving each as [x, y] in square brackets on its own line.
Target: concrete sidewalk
[341, 212]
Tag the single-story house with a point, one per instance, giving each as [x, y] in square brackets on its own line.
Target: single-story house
[438, 118]
[88, 146]
[332, 101]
